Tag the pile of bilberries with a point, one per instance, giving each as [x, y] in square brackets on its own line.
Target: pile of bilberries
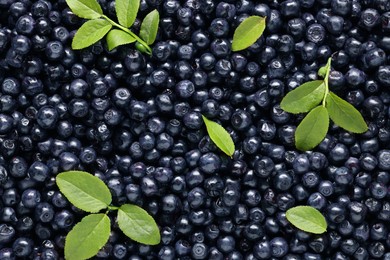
[135, 121]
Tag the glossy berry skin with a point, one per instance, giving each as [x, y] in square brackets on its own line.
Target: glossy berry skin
[369, 18]
[44, 212]
[262, 250]
[7, 233]
[315, 33]
[279, 247]
[226, 244]
[30, 198]
[335, 212]
[199, 251]
[22, 247]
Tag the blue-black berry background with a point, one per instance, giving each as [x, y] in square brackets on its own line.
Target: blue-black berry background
[135, 121]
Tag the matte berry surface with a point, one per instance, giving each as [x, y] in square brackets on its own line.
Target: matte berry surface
[135, 121]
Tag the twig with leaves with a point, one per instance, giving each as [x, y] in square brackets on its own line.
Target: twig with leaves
[99, 25]
[321, 103]
[91, 194]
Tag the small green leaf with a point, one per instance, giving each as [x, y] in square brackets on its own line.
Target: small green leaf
[138, 225]
[87, 237]
[142, 48]
[126, 11]
[248, 32]
[312, 130]
[344, 114]
[90, 32]
[118, 37]
[307, 219]
[322, 72]
[304, 98]
[84, 190]
[149, 27]
[88, 9]
[327, 71]
[219, 136]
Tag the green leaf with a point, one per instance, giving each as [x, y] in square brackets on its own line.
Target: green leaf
[307, 219]
[126, 11]
[304, 98]
[248, 32]
[219, 136]
[344, 114]
[327, 71]
[138, 225]
[312, 130]
[149, 27]
[87, 237]
[118, 37]
[84, 190]
[90, 32]
[88, 9]
[143, 48]
[322, 72]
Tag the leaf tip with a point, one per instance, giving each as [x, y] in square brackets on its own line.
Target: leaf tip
[74, 45]
[363, 129]
[155, 240]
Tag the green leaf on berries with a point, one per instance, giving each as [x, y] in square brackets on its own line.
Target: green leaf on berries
[327, 71]
[248, 32]
[87, 237]
[88, 9]
[304, 98]
[138, 225]
[312, 130]
[307, 219]
[84, 190]
[90, 32]
[219, 136]
[344, 114]
[117, 37]
[322, 72]
[126, 11]
[149, 27]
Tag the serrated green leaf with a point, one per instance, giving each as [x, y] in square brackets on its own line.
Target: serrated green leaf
[304, 98]
[138, 225]
[87, 237]
[117, 37]
[344, 114]
[84, 190]
[90, 32]
[248, 32]
[307, 219]
[219, 136]
[88, 9]
[312, 130]
[149, 27]
[126, 11]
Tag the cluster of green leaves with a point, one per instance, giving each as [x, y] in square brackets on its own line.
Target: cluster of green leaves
[99, 25]
[313, 128]
[248, 32]
[91, 194]
[307, 219]
[219, 136]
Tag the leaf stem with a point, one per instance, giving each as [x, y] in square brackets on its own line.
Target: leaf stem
[148, 49]
[112, 207]
[326, 81]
